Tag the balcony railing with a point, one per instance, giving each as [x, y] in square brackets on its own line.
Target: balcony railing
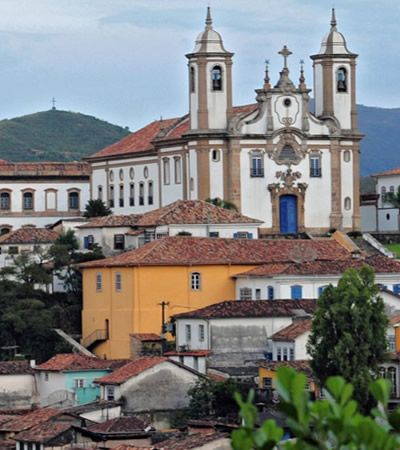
[95, 336]
[256, 172]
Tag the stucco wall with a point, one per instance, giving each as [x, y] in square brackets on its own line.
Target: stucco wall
[17, 391]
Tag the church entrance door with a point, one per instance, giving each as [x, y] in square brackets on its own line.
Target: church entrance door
[288, 214]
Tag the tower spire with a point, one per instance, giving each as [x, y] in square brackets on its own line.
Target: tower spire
[208, 19]
[333, 20]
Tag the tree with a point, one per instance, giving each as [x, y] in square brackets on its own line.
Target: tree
[393, 198]
[96, 208]
[333, 423]
[222, 203]
[348, 336]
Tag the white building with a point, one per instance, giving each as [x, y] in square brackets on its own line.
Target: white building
[18, 389]
[41, 193]
[275, 160]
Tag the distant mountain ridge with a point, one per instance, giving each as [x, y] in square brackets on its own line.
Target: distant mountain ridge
[57, 135]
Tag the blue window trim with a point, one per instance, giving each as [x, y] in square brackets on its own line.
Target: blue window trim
[296, 292]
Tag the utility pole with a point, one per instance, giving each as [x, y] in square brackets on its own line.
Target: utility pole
[163, 305]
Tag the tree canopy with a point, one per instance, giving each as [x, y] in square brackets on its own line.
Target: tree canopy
[96, 208]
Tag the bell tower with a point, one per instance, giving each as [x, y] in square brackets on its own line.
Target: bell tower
[210, 81]
[335, 79]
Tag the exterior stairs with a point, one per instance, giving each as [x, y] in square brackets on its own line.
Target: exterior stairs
[75, 344]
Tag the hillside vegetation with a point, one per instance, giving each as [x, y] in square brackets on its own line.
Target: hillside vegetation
[55, 136]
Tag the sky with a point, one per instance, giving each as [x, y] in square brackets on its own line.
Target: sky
[124, 60]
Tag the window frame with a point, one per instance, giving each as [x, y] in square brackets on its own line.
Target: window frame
[202, 334]
[119, 241]
[118, 282]
[256, 164]
[188, 332]
[217, 78]
[7, 192]
[150, 192]
[141, 193]
[30, 192]
[296, 292]
[99, 282]
[245, 293]
[131, 194]
[75, 204]
[166, 171]
[195, 281]
[315, 165]
[121, 196]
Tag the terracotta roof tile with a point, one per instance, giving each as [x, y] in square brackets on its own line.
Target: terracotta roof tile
[146, 337]
[26, 421]
[189, 353]
[44, 169]
[192, 212]
[185, 250]
[300, 365]
[4, 418]
[15, 368]
[29, 235]
[119, 425]
[131, 369]
[76, 361]
[190, 442]
[7, 444]
[387, 173]
[380, 264]
[44, 432]
[394, 320]
[251, 308]
[293, 331]
[112, 221]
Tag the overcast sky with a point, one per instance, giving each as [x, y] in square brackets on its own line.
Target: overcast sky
[123, 60]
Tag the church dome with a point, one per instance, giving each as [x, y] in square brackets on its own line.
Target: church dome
[334, 42]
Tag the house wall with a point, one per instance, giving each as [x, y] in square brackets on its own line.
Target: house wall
[369, 221]
[225, 231]
[386, 182]
[388, 219]
[136, 309]
[104, 237]
[91, 391]
[198, 363]
[52, 391]
[17, 391]
[300, 350]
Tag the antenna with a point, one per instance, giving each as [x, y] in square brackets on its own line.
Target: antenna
[53, 101]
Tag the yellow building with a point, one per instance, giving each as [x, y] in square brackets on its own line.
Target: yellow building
[122, 295]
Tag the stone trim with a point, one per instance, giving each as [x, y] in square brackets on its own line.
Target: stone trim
[336, 186]
[46, 191]
[356, 188]
[203, 171]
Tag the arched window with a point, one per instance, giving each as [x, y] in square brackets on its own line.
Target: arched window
[111, 197]
[121, 195]
[141, 193]
[132, 194]
[5, 229]
[150, 193]
[342, 80]
[166, 170]
[178, 169]
[100, 192]
[192, 80]
[216, 78]
[391, 189]
[27, 202]
[287, 154]
[5, 201]
[296, 292]
[347, 203]
[73, 200]
[383, 191]
[195, 281]
[215, 155]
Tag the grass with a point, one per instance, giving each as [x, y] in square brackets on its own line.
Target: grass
[395, 248]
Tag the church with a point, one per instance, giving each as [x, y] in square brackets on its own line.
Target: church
[277, 161]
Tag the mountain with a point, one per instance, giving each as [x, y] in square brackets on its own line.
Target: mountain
[55, 136]
[380, 149]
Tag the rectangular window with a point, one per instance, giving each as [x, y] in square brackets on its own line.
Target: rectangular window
[178, 170]
[242, 235]
[270, 292]
[291, 354]
[110, 393]
[285, 354]
[166, 170]
[245, 293]
[195, 281]
[258, 294]
[46, 376]
[100, 192]
[141, 194]
[150, 195]
[121, 195]
[315, 166]
[296, 292]
[5, 200]
[111, 197]
[279, 354]
[188, 333]
[88, 242]
[256, 166]
[79, 382]
[119, 242]
[213, 234]
[132, 194]
[118, 282]
[392, 343]
[99, 282]
[28, 200]
[13, 250]
[267, 383]
[201, 333]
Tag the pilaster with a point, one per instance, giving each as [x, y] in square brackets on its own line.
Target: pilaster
[336, 187]
[203, 171]
[356, 188]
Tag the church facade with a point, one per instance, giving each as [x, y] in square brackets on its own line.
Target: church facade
[277, 161]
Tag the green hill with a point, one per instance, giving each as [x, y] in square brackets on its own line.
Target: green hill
[55, 136]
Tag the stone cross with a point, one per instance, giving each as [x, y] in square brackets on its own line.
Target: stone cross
[285, 52]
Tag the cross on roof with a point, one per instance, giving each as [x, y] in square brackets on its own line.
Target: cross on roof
[285, 52]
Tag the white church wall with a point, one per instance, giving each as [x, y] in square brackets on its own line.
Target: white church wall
[216, 100]
[347, 188]
[342, 100]
[318, 89]
[294, 111]
[192, 176]
[369, 216]
[216, 173]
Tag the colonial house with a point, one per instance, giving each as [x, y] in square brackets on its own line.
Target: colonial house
[131, 292]
[275, 160]
[41, 193]
[116, 233]
[150, 385]
[68, 379]
[17, 385]
[238, 333]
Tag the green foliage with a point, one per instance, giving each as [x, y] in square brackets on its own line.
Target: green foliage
[96, 208]
[348, 335]
[333, 423]
[222, 203]
[393, 198]
[55, 136]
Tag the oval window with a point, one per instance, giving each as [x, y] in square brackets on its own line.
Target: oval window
[347, 203]
[346, 156]
[111, 175]
[146, 172]
[131, 173]
[121, 174]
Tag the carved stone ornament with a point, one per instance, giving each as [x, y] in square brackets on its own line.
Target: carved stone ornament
[288, 177]
[287, 151]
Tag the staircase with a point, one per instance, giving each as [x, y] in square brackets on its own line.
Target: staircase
[75, 344]
[94, 338]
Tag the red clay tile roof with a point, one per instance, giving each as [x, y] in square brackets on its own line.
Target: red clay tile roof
[112, 221]
[146, 337]
[293, 331]
[380, 264]
[26, 421]
[189, 353]
[75, 361]
[192, 212]
[387, 173]
[131, 369]
[15, 368]
[185, 250]
[44, 169]
[119, 425]
[250, 308]
[168, 129]
[4, 418]
[44, 432]
[300, 365]
[394, 320]
[190, 442]
[29, 235]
